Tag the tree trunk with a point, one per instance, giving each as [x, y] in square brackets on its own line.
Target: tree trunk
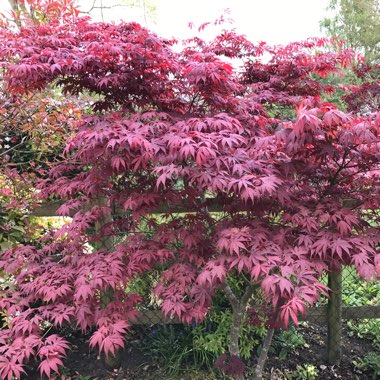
[258, 375]
[238, 314]
[237, 319]
[106, 296]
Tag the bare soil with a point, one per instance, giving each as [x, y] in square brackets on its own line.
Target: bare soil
[353, 348]
[84, 364]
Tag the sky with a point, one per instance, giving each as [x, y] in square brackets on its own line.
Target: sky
[273, 21]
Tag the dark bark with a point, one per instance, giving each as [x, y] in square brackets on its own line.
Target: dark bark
[334, 319]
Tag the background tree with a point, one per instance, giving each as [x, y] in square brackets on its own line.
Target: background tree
[147, 7]
[358, 23]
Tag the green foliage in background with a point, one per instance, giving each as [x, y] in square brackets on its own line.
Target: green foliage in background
[177, 348]
[172, 348]
[370, 363]
[213, 336]
[288, 342]
[359, 293]
[358, 23]
[356, 292]
[336, 97]
[367, 328]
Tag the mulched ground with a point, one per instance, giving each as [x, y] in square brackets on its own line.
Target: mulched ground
[353, 348]
[83, 364]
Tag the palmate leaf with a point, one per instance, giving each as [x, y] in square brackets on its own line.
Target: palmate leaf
[10, 369]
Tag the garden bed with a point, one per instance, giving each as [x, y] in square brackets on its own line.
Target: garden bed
[83, 364]
[353, 348]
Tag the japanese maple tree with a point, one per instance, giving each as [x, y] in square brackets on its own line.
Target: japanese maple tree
[252, 173]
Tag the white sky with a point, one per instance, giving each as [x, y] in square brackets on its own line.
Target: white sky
[273, 21]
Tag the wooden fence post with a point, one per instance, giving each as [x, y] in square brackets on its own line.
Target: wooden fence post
[334, 318]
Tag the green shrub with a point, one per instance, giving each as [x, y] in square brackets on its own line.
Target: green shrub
[358, 292]
[178, 348]
[355, 292]
[370, 362]
[213, 336]
[366, 328]
[288, 342]
[182, 348]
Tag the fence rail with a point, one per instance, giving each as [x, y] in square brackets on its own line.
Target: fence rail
[319, 314]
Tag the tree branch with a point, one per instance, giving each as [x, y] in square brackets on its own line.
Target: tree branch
[231, 296]
[248, 294]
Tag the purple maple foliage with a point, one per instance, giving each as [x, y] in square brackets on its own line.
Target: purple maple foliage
[251, 171]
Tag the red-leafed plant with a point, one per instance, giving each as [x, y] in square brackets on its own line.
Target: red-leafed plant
[251, 173]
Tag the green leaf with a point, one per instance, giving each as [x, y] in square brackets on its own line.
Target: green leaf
[5, 244]
[18, 228]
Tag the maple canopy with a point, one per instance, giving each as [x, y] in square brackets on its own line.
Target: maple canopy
[229, 123]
